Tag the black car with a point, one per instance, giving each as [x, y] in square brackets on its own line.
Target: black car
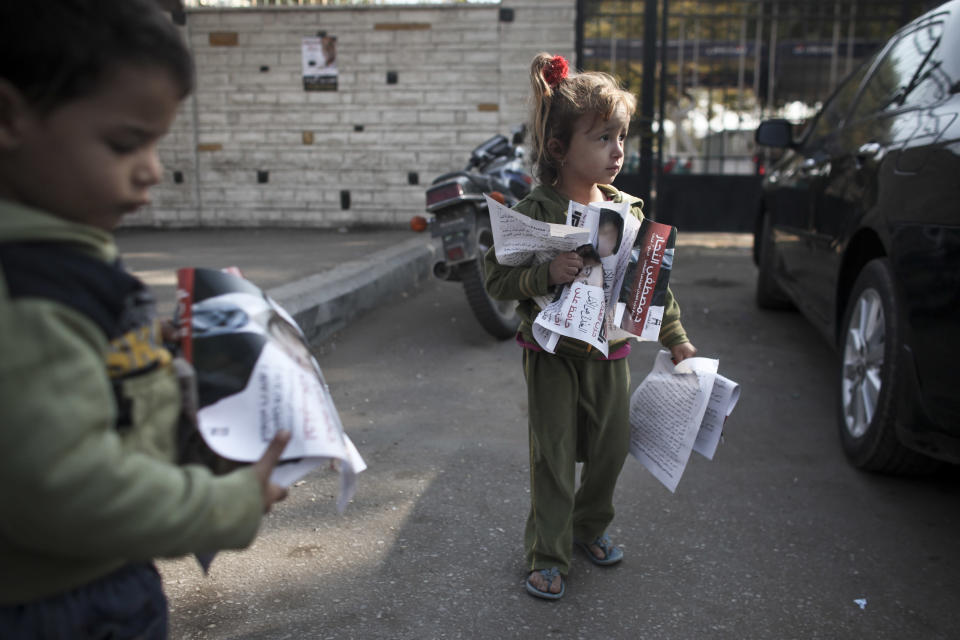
[859, 229]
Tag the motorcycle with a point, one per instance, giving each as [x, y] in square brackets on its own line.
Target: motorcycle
[461, 220]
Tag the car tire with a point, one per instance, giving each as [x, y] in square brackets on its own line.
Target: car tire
[869, 380]
[769, 295]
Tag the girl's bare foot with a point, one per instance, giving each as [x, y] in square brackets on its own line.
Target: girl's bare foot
[546, 584]
[539, 582]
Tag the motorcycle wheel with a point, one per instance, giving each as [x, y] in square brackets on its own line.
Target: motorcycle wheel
[498, 317]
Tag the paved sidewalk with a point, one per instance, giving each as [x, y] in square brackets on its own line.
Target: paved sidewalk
[322, 277]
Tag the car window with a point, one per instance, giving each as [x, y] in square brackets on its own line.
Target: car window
[835, 111]
[909, 76]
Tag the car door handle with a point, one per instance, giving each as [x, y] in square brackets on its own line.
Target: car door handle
[813, 167]
[870, 151]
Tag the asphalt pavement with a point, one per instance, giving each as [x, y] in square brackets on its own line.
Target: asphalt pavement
[777, 537]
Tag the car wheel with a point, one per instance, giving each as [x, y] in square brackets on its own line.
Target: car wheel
[769, 295]
[869, 376]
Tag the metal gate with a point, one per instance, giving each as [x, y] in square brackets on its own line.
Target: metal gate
[706, 72]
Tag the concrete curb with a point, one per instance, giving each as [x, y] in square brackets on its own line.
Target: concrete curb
[325, 302]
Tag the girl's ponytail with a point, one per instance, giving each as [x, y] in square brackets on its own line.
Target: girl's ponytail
[546, 74]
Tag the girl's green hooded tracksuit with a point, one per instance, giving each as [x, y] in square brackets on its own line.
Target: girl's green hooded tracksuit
[578, 405]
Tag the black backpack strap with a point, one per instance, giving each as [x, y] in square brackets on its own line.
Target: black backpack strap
[103, 292]
[116, 301]
[113, 299]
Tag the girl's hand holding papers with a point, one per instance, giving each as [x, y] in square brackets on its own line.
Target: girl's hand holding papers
[564, 268]
[680, 352]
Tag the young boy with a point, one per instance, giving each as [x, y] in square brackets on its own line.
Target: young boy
[89, 403]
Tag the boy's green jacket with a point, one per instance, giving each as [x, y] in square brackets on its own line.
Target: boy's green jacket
[523, 283]
[80, 497]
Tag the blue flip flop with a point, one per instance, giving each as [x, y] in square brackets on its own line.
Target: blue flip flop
[611, 554]
[548, 575]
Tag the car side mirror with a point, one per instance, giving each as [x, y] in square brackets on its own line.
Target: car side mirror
[774, 133]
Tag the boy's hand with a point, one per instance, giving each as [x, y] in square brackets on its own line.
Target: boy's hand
[680, 352]
[564, 268]
[264, 467]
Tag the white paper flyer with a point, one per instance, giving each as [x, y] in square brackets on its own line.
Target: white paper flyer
[256, 376]
[678, 409]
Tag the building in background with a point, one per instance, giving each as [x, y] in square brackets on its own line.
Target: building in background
[268, 138]
[271, 138]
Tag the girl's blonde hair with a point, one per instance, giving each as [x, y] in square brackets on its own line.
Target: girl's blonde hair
[555, 108]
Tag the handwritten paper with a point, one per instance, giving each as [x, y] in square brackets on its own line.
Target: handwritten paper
[256, 376]
[518, 239]
[629, 259]
[669, 413]
[578, 314]
[723, 398]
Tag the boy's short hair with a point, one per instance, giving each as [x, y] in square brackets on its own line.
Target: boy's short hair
[55, 51]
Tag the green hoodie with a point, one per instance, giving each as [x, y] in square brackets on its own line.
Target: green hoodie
[80, 496]
[523, 283]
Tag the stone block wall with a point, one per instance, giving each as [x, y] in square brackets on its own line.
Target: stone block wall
[251, 148]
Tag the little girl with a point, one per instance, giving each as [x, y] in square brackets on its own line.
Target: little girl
[578, 399]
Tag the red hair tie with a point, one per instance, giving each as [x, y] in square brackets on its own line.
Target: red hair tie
[555, 71]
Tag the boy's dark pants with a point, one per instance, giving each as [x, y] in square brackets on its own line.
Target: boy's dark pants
[126, 604]
[579, 412]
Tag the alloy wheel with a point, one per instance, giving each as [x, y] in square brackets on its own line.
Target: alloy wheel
[863, 362]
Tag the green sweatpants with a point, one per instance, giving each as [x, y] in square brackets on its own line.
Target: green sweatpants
[579, 412]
